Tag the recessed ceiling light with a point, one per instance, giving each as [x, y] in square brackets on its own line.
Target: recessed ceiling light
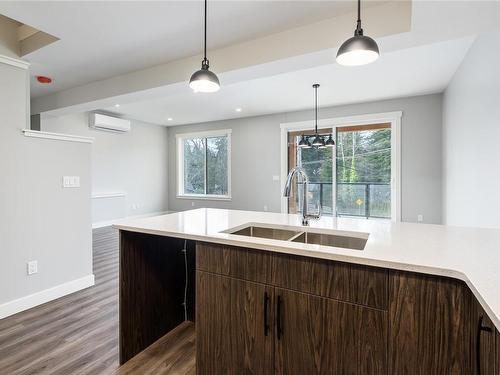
[117, 105]
[170, 119]
[238, 109]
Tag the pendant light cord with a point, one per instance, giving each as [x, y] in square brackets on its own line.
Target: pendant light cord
[316, 108]
[205, 47]
[359, 30]
[359, 11]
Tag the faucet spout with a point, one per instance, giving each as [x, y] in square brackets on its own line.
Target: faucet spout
[288, 188]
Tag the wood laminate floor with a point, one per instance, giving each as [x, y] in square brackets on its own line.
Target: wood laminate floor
[78, 334]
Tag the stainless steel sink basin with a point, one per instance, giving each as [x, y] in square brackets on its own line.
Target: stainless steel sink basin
[331, 240]
[324, 237]
[263, 232]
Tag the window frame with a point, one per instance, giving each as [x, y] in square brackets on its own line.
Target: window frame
[180, 138]
[394, 118]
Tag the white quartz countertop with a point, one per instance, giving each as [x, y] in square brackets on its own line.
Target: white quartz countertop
[468, 254]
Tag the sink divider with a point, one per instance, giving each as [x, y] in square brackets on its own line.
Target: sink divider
[298, 235]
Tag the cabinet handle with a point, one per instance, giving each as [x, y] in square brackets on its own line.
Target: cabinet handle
[266, 324]
[480, 328]
[279, 329]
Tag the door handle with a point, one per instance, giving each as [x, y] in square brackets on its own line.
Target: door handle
[480, 328]
[266, 322]
[279, 328]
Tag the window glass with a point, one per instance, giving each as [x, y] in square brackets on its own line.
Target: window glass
[204, 168]
[217, 166]
[194, 166]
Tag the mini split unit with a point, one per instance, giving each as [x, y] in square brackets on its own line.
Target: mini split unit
[108, 123]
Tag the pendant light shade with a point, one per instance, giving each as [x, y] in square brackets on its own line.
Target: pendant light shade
[358, 50]
[304, 142]
[204, 80]
[318, 141]
[330, 142]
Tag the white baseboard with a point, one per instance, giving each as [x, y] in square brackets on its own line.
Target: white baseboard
[35, 299]
[107, 223]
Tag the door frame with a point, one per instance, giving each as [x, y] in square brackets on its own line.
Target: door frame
[394, 118]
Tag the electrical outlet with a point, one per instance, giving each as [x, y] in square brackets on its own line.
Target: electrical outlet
[192, 204]
[265, 208]
[420, 218]
[32, 267]
[276, 178]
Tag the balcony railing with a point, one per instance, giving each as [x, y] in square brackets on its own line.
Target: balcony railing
[360, 199]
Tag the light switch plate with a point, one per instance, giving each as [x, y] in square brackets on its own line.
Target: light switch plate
[32, 267]
[71, 181]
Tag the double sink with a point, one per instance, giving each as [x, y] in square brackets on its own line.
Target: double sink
[334, 238]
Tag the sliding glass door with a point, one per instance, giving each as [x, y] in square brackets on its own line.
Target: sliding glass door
[363, 171]
[352, 179]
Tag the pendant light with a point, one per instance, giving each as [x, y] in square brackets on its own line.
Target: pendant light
[204, 80]
[358, 50]
[318, 141]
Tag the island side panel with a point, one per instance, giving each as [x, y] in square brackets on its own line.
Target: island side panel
[152, 279]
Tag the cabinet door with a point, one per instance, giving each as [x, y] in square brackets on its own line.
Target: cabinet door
[233, 335]
[316, 335]
[429, 325]
[483, 341]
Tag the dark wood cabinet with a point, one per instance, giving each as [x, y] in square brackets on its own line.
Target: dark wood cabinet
[429, 330]
[483, 339]
[260, 312]
[324, 336]
[232, 334]
[309, 327]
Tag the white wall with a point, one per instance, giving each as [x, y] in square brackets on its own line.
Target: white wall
[134, 163]
[255, 144]
[471, 135]
[39, 220]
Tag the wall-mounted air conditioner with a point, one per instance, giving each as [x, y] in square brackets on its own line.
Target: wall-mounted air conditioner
[108, 123]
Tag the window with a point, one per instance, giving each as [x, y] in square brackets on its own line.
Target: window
[204, 165]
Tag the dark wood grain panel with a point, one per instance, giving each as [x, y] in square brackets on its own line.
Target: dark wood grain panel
[152, 276]
[372, 345]
[429, 329]
[230, 335]
[242, 263]
[342, 281]
[482, 341]
[323, 336]
[497, 352]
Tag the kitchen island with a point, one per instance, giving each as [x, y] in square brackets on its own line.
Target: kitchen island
[415, 299]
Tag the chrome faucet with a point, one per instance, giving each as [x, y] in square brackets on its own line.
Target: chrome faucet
[288, 188]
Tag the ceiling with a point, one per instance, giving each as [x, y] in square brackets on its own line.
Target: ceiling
[413, 71]
[100, 39]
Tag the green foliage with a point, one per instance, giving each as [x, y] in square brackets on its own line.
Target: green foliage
[364, 156]
[211, 174]
[361, 157]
